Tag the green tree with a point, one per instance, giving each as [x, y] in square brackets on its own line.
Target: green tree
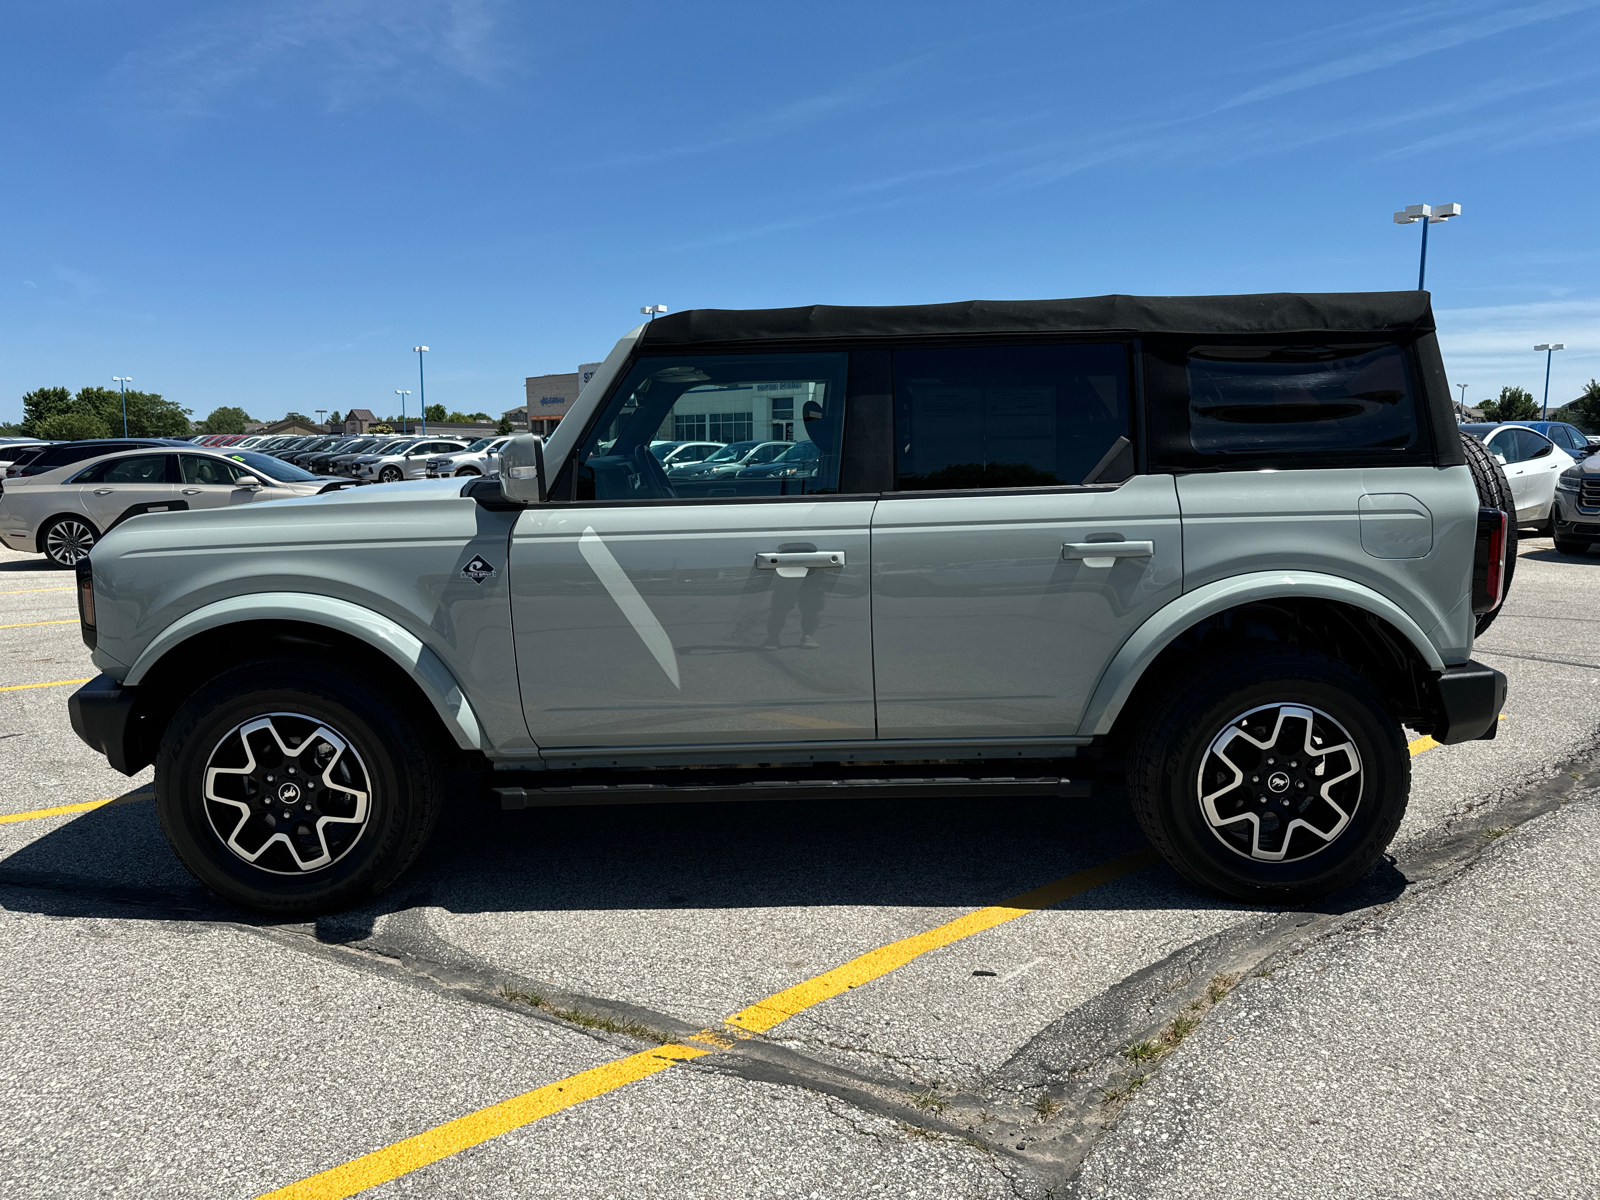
[1514, 404]
[504, 427]
[225, 420]
[435, 412]
[1584, 412]
[72, 425]
[335, 419]
[149, 413]
[40, 405]
[380, 427]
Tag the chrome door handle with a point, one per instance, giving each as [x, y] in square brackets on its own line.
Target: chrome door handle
[104, 491]
[191, 491]
[1104, 554]
[793, 564]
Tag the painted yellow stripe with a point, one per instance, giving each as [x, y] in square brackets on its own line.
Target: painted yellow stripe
[475, 1128]
[764, 1014]
[60, 811]
[28, 624]
[19, 591]
[444, 1140]
[22, 687]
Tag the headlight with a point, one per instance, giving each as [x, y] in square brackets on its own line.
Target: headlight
[1570, 479]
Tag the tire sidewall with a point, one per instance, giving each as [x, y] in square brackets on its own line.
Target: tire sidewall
[373, 729]
[49, 528]
[1385, 784]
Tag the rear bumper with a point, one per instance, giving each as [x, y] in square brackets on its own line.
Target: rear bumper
[1470, 697]
[103, 717]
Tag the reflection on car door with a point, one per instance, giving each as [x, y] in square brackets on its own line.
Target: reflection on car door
[128, 486]
[1001, 586]
[212, 482]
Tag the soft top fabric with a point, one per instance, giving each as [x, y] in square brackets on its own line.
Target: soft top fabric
[1266, 313]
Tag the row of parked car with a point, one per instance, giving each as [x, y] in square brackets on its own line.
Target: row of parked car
[745, 460]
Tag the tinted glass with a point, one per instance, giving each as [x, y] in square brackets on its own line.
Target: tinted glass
[198, 468]
[1000, 417]
[714, 398]
[1249, 400]
[270, 468]
[140, 468]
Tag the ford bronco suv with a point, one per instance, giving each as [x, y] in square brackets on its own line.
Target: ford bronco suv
[1221, 549]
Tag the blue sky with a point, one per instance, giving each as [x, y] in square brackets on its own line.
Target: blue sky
[269, 204]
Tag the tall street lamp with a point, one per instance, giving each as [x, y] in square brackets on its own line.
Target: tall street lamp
[125, 380]
[1428, 215]
[402, 394]
[422, 391]
[651, 310]
[1549, 349]
[1462, 412]
[319, 412]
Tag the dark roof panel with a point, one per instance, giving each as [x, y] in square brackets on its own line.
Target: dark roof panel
[1270, 312]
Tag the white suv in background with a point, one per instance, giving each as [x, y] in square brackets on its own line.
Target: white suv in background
[410, 463]
[482, 457]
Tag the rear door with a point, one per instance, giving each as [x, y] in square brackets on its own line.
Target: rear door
[213, 482]
[125, 487]
[655, 614]
[1018, 551]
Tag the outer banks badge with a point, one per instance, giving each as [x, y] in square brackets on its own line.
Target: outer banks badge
[477, 570]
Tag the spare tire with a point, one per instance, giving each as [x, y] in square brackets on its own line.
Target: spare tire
[1494, 491]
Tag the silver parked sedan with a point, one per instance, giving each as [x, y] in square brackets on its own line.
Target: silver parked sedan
[62, 513]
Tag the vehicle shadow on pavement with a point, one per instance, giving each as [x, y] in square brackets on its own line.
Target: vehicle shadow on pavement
[1557, 556]
[33, 564]
[940, 854]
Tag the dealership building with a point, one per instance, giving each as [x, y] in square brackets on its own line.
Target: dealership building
[551, 396]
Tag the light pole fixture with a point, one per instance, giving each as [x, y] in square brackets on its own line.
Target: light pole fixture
[422, 390]
[319, 413]
[125, 380]
[402, 393]
[651, 310]
[1428, 214]
[1462, 412]
[1549, 349]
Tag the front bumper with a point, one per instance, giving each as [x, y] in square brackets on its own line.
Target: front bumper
[102, 714]
[1469, 697]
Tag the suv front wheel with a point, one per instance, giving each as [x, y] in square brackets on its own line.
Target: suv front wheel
[291, 787]
[1274, 777]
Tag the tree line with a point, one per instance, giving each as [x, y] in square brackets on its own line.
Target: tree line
[1518, 404]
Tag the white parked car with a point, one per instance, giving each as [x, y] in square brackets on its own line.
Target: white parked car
[1532, 462]
[682, 454]
[729, 460]
[63, 513]
[482, 457]
[408, 462]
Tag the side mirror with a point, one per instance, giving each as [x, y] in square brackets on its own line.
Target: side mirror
[247, 481]
[522, 477]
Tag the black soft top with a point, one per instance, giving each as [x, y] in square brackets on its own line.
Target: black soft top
[1267, 313]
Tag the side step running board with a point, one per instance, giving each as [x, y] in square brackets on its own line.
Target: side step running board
[795, 789]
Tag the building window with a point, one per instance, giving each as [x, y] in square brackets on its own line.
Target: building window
[689, 427]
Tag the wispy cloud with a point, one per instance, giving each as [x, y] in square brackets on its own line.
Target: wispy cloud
[345, 52]
[1491, 346]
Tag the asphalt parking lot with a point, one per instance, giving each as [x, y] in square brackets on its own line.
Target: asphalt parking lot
[938, 999]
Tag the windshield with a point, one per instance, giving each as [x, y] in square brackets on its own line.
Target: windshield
[799, 452]
[272, 468]
[480, 444]
[736, 450]
[399, 447]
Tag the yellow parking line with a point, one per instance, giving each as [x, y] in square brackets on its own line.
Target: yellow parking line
[402, 1157]
[22, 687]
[59, 811]
[26, 624]
[454, 1136]
[19, 591]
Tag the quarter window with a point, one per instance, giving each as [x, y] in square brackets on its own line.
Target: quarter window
[1009, 417]
[141, 468]
[734, 401]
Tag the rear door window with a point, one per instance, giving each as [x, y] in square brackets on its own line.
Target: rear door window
[1010, 416]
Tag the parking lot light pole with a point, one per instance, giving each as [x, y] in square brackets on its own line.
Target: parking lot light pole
[1428, 214]
[125, 380]
[1549, 349]
[1461, 412]
[651, 310]
[402, 394]
[422, 391]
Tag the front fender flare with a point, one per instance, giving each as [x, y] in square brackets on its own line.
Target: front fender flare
[407, 651]
[1156, 634]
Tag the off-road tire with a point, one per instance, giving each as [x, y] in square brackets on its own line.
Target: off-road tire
[1168, 749]
[59, 555]
[1494, 491]
[401, 756]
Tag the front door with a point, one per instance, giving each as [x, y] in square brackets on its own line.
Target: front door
[658, 613]
[123, 487]
[1017, 554]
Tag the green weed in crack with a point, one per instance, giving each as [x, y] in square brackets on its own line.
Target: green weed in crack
[1118, 1094]
[586, 1020]
[929, 1101]
[1182, 1025]
[1046, 1106]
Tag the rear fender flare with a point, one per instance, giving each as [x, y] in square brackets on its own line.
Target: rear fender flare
[408, 652]
[1157, 633]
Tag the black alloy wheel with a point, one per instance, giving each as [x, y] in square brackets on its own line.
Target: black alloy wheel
[292, 787]
[67, 540]
[1274, 776]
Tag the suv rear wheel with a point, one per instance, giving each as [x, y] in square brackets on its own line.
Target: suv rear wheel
[290, 787]
[1274, 777]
